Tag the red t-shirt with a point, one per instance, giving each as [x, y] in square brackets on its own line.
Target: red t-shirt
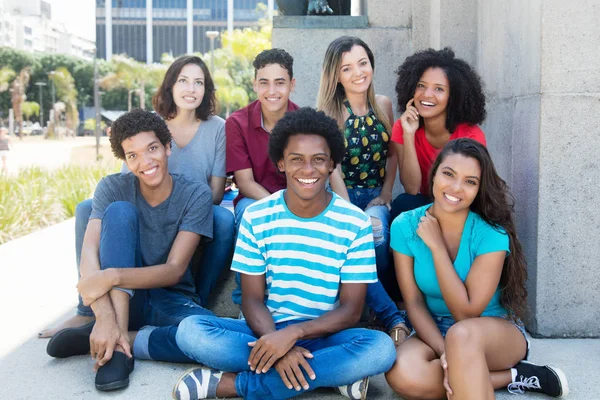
[248, 147]
[426, 153]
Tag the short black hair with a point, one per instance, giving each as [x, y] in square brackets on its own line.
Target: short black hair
[274, 56]
[134, 122]
[466, 103]
[306, 121]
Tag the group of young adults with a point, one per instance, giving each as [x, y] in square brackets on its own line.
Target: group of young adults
[315, 239]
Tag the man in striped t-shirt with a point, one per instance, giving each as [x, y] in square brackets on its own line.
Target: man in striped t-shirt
[313, 253]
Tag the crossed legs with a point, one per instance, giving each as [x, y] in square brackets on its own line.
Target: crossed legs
[479, 351]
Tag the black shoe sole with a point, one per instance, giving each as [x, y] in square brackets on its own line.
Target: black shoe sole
[70, 342]
[113, 385]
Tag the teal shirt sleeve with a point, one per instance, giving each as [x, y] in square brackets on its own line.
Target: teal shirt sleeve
[398, 235]
[489, 239]
[247, 257]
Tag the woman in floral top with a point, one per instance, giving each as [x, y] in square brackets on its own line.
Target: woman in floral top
[366, 175]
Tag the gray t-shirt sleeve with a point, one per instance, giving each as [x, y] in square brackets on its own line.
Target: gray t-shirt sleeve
[103, 196]
[198, 216]
[220, 149]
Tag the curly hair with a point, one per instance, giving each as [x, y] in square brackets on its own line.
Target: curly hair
[331, 92]
[163, 101]
[495, 204]
[306, 121]
[134, 122]
[274, 56]
[466, 103]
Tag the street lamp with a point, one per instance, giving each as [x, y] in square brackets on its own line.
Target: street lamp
[212, 35]
[39, 85]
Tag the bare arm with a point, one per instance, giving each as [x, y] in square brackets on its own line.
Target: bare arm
[347, 315]
[469, 299]
[257, 315]
[244, 179]
[217, 187]
[391, 163]
[418, 313]
[410, 172]
[163, 275]
[337, 183]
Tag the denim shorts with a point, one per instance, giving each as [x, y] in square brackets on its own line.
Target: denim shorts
[444, 323]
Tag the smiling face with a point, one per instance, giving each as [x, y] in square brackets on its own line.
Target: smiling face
[273, 87]
[188, 90]
[146, 158]
[456, 183]
[432, 93]
[356, 71]
[307, 164]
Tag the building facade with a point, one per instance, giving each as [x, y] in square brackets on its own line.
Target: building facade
[146, 29]
[28, 25]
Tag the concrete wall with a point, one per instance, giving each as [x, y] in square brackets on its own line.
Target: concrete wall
[540, 66]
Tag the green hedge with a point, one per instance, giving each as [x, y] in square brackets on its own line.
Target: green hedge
[36, 198]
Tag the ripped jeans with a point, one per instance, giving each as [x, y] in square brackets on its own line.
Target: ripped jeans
[158, 311]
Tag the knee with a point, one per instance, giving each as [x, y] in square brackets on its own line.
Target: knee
[121, 211]
[463, 336]
[191, 334]
[83, 211]
[409, 378]
[223, 223]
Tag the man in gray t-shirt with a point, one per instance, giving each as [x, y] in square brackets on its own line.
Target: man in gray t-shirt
[142, 233]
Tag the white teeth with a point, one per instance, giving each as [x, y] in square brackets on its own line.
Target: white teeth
[360, 80]
[426, 103]
[272, 99]
[190, 98]
[149, 172]
[452, 198]
[307, 181]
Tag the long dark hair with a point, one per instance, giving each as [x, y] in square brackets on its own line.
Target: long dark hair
[163, 101]
[495, 204]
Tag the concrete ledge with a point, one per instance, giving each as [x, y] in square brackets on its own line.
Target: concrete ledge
[320, 22]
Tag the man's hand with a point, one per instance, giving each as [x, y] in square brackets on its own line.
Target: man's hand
[93, 286]
[105, 336]
[289, 368]
[269, 348]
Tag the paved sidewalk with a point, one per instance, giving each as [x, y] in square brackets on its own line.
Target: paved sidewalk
[37, 289]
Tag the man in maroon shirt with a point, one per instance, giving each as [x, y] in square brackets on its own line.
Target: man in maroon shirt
[248, 129]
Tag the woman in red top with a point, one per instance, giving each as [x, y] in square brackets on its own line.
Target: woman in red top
[441, 99]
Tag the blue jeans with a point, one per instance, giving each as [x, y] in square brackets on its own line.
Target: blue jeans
[158, 311]
[207, 266]
[406, 202]
[340, 359]
[377, 298]
[240, 207]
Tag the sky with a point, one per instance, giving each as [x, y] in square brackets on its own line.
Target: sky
[79, 16]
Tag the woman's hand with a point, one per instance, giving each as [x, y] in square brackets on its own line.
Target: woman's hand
[410, 119]
[445, 368]
[429, 231]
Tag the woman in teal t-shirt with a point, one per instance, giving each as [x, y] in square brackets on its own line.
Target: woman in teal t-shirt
[462, 273]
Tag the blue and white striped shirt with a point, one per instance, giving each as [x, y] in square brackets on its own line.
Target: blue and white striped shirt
[305, 259]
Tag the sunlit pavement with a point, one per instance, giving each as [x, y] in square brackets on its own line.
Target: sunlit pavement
[37, 289]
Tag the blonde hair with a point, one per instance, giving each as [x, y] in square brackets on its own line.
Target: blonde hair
[332, 94]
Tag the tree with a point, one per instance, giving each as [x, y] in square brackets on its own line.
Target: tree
[30, 108]
[67, 93]
[7, 74]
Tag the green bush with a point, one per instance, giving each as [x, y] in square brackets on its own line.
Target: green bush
[36, 198]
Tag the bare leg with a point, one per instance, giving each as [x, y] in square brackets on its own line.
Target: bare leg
[226, 387]
[417, 373]
[476, 346]
[74, 322]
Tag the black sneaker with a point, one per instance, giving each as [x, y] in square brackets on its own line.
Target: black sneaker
[539, 379]
[115, 373]
[70, 341]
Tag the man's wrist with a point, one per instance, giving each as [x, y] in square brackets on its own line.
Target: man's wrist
[113, 275]
[295, 331]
